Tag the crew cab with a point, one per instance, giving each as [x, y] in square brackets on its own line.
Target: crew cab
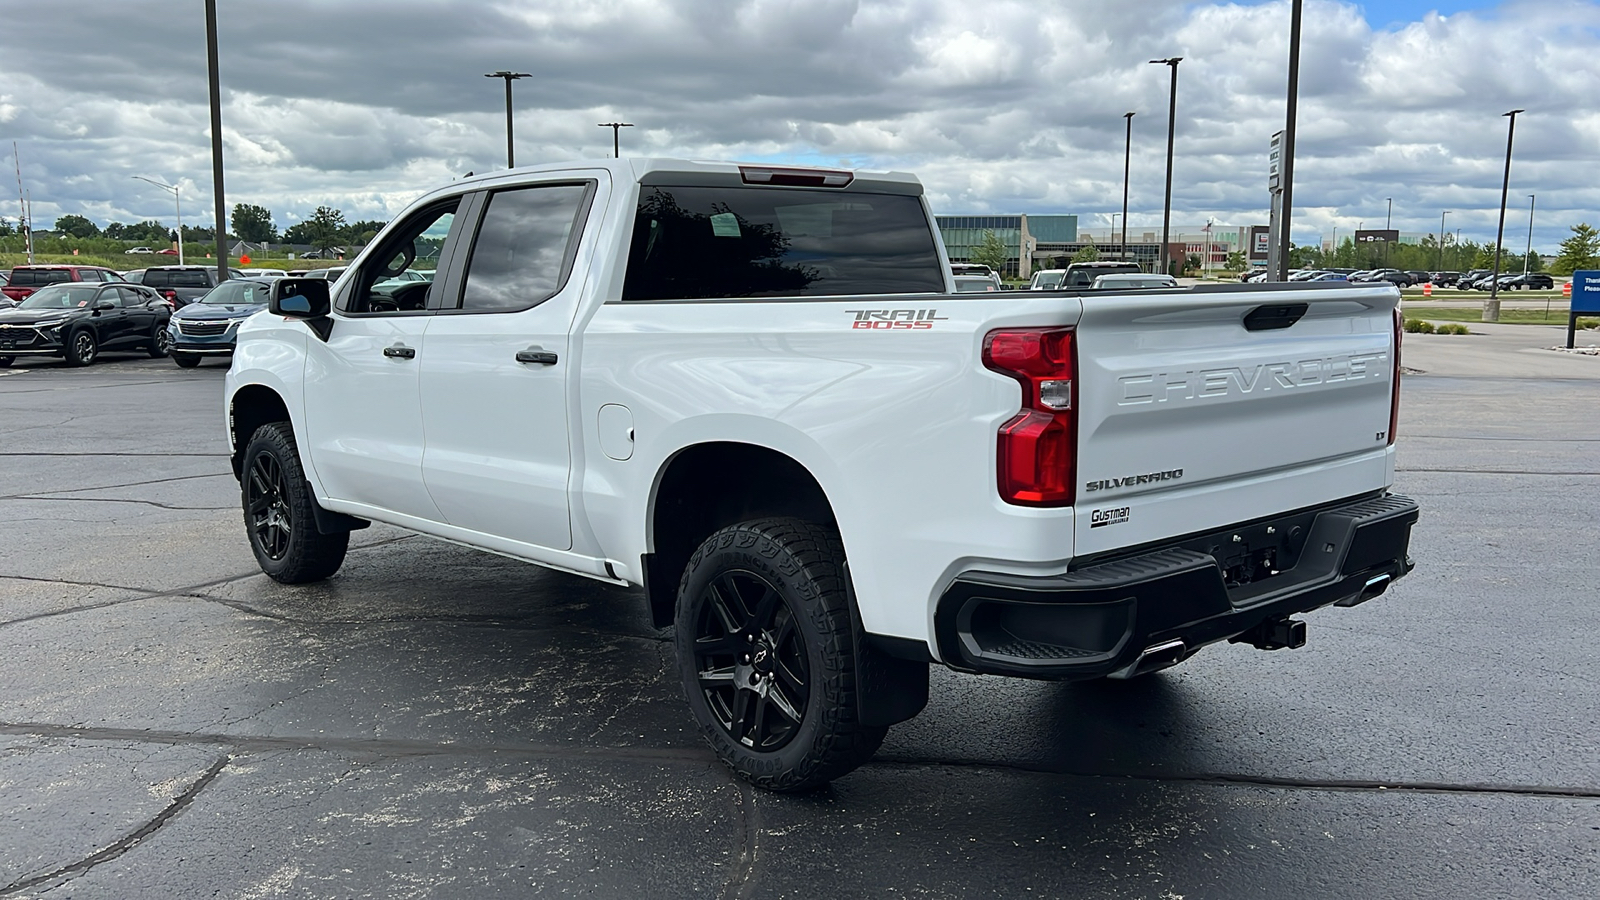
[25, 280]
[752, 392]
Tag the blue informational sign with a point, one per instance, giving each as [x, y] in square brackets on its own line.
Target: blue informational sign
[1586, 292]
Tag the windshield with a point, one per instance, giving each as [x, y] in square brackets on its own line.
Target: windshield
[61, 296]
[239, 293]
[1048, 279]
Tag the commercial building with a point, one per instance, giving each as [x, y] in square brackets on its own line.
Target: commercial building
[1050, 241]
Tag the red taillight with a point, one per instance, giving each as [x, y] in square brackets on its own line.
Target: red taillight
[795, 177]
[1394, 401]
[1036, 451]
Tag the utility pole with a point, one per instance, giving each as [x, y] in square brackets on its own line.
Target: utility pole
[1127, 158]
[1491, 306]
[616, 143]
[1386, 226]
[22, 204]
[509, 76]
[1172, 123]
[216, 141]
[177, 206]
[1288, 142]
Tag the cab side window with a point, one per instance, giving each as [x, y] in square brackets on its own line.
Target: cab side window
[386, 283]
[524, 248]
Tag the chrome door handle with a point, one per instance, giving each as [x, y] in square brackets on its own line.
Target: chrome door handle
[535, 355]
[399, 353]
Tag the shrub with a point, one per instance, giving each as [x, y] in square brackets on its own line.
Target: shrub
[1418, 326]
[1453, 328]
[1588, 323]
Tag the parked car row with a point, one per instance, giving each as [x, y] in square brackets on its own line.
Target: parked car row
[1476, 279]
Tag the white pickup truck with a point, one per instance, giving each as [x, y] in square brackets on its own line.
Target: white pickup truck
[752, 391]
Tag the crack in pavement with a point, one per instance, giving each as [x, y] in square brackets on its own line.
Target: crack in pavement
[154, 503]
[90, 387]
[742, 880]
[42, 495]
[381, 747]
[107, 453]
[178, 805]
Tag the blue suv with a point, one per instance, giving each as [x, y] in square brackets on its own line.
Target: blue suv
[210, 326]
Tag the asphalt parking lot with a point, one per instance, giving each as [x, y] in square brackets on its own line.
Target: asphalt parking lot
[436, 722]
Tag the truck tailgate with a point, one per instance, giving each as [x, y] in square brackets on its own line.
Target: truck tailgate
[1201, 408]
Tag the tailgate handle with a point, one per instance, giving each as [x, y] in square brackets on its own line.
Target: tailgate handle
[1267, 318]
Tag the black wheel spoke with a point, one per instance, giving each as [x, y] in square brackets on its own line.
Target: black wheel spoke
[731, 620]
[777, 699]
[765, 608]
[713, 679]
[758, 735]
[741, 713]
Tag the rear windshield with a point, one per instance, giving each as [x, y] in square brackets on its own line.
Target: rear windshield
[1085, 277]
[705, 242]
[38, 277]
[176, 278]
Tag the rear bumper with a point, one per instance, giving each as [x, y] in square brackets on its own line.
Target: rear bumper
[1136, 613]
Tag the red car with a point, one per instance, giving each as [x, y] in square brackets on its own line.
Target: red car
[27, 279]
[167, 252]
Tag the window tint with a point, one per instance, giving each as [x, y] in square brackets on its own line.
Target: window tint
[38, 277]
[693, 242]
[131, 297]
[187, 278]
[521, 255]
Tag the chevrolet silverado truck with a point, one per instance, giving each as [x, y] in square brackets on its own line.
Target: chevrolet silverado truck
[752, 392]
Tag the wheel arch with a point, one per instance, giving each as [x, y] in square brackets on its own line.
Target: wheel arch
[251, 407]
[706, 486]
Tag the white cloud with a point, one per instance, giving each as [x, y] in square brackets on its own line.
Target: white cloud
[1007, 105]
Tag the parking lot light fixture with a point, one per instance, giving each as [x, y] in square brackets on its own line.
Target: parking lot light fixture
[1172, 123]
[1491, 306]
[616, 142]
[177, 206]
[511, 153]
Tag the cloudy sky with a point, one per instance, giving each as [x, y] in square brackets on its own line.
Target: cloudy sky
[999, 106]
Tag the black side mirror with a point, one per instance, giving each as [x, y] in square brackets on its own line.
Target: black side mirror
[303, 298]
[300, 298]
[103, 305]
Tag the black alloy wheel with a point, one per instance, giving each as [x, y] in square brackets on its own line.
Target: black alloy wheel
[81, 347]
[160, 341]
[266, 506]
[767, 646]
[750, 660]
[279, 513]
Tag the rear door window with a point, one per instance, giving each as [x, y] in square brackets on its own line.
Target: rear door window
[39, 277]
[525, 246]
[715, 242]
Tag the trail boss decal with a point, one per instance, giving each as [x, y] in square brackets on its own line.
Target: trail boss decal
[900, 319]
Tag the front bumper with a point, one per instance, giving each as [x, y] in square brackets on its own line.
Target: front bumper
[1136, 613]
[203, 337]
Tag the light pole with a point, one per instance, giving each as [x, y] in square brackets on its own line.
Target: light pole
[1529, 251]
[1172, 123]
[1441, 238]
[616, 142]
[511, 153]
[1286, 206]
[1491, 306]
[221, 232]
[177, 206]
[1127, 158]
[1386, 218]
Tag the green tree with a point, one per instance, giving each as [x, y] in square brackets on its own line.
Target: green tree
[1236, 262]
[77, 226]
[253, 223]
[991, 252]
[1088, 252]
[1581, 251]
[362, 232]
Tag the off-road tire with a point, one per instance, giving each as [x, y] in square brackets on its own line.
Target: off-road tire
[804, 565]
[82, 348]
[278, 516]
[184, 360]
